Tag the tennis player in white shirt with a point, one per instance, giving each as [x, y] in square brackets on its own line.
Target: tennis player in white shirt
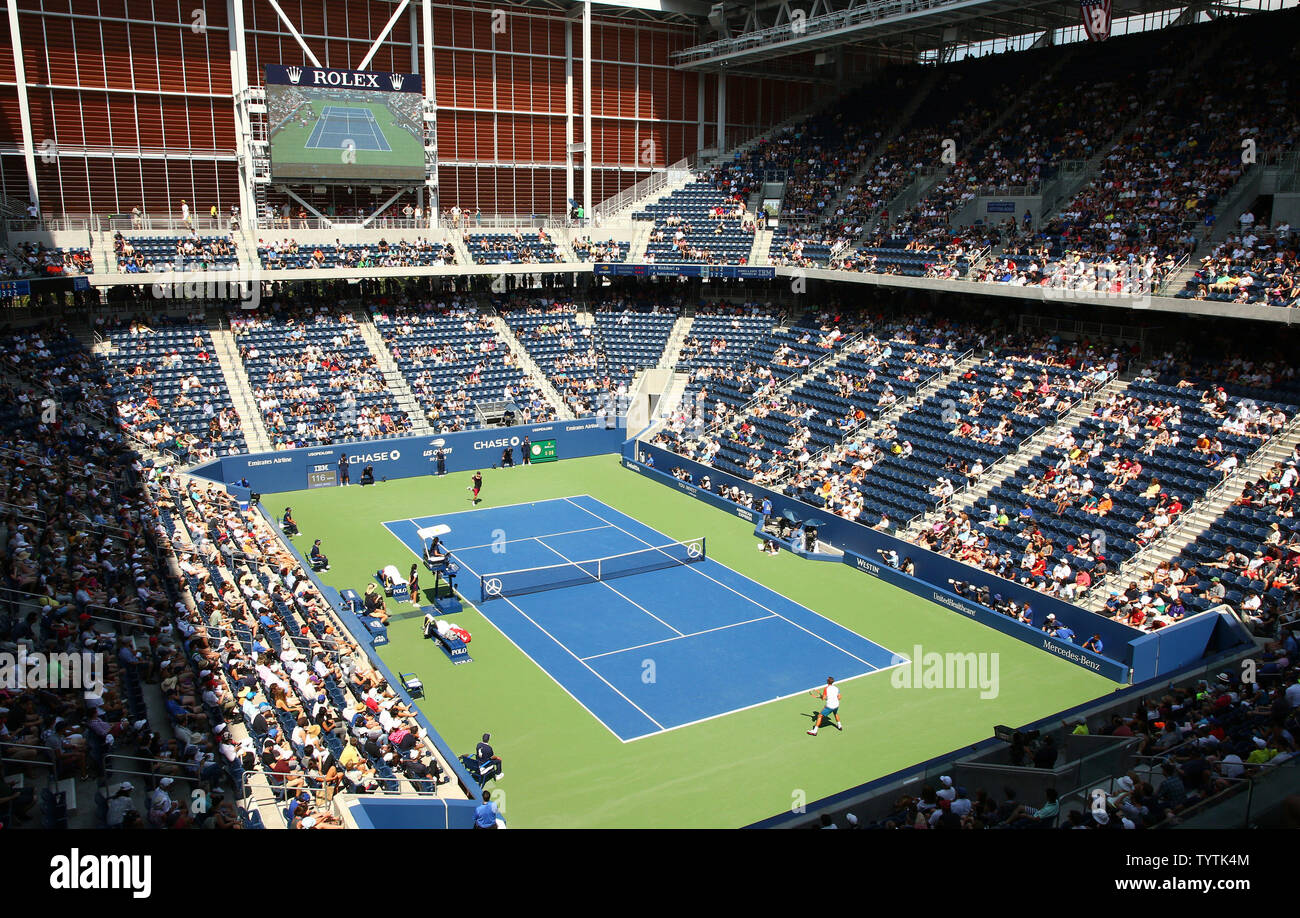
[830, 714]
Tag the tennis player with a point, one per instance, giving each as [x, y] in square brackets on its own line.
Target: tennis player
[476, 485]
[830, 714]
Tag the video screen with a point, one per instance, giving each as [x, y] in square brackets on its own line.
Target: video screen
[345, 124]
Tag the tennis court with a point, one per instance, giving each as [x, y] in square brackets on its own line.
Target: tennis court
[646, 633]
[339, 124]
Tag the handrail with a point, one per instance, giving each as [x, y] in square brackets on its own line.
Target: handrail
[36, 516]
[835, 352]
[52, 763]
[146, 622]
[641, 190]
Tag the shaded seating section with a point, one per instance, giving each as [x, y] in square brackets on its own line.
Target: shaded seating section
[399, 253]
[90, 566]
[909, 258]
[32, 259]
[49, 362]
[138, 254]
[1180, 157]
[314, 379]
[699, 223]
[1061, 112]
[904, 471]
[452, 359]
[533, 247]
[169, 388]
[806, 250]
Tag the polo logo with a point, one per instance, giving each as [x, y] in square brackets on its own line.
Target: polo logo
[295, 74]
[103, 871]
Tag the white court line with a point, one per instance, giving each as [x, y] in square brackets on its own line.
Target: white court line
[610, 653]
[662, 729]
[695, 568]
[759, 704]
[620, 593]
[501, 631]
[531, 538]
[522, 503]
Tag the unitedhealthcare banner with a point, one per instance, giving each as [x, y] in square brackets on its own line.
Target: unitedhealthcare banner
[408, 457]
[1159, 652]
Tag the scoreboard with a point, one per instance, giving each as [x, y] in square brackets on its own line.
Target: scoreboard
[322, 476]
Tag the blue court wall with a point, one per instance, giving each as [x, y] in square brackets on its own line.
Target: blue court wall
[1178, 645]
[409, 457]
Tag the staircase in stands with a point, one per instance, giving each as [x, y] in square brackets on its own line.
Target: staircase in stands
[530, 368]
[1005, 470]
[758, 255]
[393, 378]
[232, 368]
[1201, 515]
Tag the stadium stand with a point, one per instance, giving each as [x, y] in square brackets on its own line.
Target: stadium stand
[511, 248]
[314, 379]
[1106, 488]
[609, 250]
[453, 360]
[142, 254]
[948, 440]
[1258, 266]
[169, 390]
[699, 223]
[36, 260]
[402, 253]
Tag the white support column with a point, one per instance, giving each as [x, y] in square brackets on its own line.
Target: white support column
[568, 113]
[248, 215]
[374, 47]
[294, 32]
[24, 112]
[431, 102]
[722, 112]
[416, 67]
[589, 153]
[699, 111]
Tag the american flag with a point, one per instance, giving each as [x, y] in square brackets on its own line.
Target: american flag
[1096, 18]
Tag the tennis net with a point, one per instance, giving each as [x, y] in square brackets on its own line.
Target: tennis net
[574, 573]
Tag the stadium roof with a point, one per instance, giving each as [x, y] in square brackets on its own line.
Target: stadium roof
[767, 29]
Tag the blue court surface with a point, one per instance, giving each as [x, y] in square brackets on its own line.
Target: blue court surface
[650, 651]
[339, 124]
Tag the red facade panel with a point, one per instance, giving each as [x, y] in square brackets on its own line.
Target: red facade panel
[501, 94]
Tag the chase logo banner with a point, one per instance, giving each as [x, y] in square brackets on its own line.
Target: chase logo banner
[326, 78]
